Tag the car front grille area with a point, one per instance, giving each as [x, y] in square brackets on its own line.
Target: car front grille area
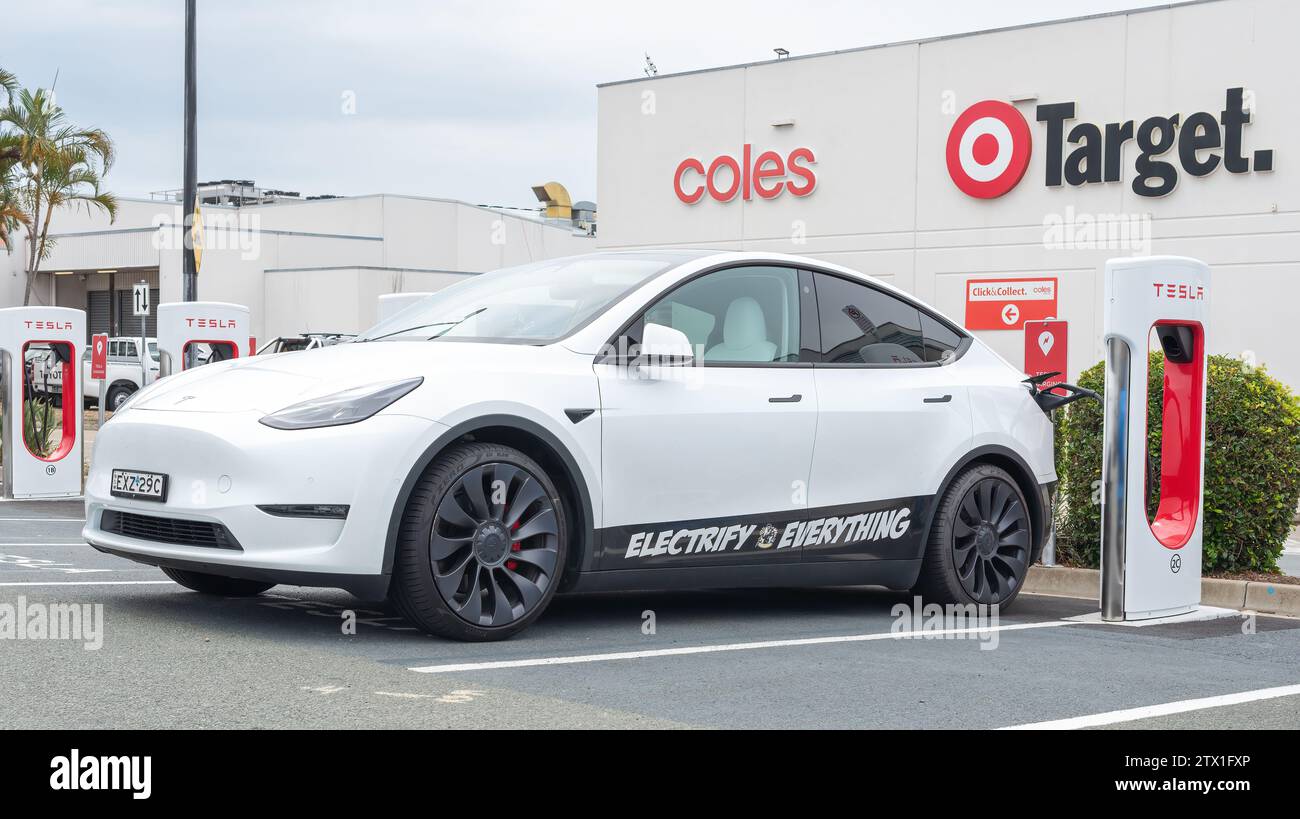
[168, 530]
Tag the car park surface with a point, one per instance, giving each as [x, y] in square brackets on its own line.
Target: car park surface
[173, 658]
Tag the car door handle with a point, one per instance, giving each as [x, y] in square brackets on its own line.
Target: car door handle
[941, 399]
[789, 399]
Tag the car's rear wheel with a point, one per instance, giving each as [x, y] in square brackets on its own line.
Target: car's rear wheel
[980, 541]
[217, 584]
[481, 546]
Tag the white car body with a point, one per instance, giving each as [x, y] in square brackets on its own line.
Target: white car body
[662, 456]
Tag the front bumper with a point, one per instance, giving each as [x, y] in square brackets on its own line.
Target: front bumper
[221, 466]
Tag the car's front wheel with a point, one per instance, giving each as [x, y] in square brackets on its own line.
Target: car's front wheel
[481, 545]
[980, 540]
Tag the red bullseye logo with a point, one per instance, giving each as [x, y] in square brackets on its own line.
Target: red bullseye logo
[988, 149]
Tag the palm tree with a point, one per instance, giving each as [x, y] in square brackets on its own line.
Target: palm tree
[58, 165]
[11, 213]
[8, 84]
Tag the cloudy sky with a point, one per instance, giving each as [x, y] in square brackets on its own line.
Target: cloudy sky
[457, 98]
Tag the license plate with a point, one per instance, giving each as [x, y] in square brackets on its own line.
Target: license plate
[128, 483]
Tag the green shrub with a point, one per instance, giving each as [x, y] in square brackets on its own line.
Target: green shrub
[1252, 466]
[39, 422]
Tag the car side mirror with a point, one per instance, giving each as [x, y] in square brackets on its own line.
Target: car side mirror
[665, 346]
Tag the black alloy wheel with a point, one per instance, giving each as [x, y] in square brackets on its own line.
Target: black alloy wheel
[990, 540]
[494, 547]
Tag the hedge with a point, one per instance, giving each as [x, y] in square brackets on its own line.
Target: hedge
[1252, 466]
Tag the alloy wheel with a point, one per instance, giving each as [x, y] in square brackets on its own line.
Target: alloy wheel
[494, 546]
[990, 544]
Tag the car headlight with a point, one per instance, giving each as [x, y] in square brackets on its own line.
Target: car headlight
[347, 407]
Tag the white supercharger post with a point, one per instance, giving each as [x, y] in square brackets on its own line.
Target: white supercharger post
[1151, 567]
[184, 326]
[56, 474]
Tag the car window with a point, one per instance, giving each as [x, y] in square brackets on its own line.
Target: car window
[863, 325]
[941, 341]
[739, 315]
[534, 303]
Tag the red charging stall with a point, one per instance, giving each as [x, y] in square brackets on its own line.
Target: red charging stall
[40, 399]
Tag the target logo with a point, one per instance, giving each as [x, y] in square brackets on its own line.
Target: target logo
[988, 149]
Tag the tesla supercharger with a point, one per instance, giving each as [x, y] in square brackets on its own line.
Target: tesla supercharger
[186, 327]
[1151, 564]
[54, 469]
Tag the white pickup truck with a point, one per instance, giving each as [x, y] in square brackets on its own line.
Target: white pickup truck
[123, 372]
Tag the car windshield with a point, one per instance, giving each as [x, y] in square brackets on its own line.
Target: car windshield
[534, 303]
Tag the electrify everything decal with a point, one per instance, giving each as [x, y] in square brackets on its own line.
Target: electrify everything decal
[864, 527]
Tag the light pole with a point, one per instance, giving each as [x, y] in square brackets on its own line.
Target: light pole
[189, 270]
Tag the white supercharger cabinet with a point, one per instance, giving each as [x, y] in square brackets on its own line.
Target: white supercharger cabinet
[54, 337]
[390, 304]
[200, 332]
[1151, 565]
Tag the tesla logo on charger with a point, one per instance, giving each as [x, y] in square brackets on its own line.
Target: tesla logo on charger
[1186, 292]
[768, 176]
[211, 323]
[988, 149]
[36, 324]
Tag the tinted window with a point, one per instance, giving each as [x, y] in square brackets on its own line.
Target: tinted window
[862, 325]
[940, 339]
[739, 315]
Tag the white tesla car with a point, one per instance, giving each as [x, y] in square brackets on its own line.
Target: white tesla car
[616, 421]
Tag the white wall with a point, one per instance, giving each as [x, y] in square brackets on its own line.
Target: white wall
[879, 119]
[300, 266]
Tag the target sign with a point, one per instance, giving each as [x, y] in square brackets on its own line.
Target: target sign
[988, 149]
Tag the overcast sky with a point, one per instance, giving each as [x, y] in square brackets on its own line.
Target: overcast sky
[457, 98]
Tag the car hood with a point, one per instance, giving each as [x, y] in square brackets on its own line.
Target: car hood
[269, 383]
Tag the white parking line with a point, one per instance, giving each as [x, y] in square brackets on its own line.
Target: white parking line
[1148, 711]
[29, 543]
[43, 520]
[92, 583]
[711, 649]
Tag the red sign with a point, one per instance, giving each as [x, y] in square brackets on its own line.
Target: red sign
[1046, 349]
[1006, 304]
[988, 149]
[252, 345]
[727, 177]
[98, 357]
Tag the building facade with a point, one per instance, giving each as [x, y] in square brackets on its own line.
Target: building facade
[299, 265]
[992, 174]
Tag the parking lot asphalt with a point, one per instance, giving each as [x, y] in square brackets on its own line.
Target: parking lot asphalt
[823, 658]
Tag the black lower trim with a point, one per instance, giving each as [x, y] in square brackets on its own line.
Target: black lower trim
[892, 574]
[176, 531]
[367, 587]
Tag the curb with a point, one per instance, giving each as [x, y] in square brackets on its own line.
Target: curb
[1252, 595]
